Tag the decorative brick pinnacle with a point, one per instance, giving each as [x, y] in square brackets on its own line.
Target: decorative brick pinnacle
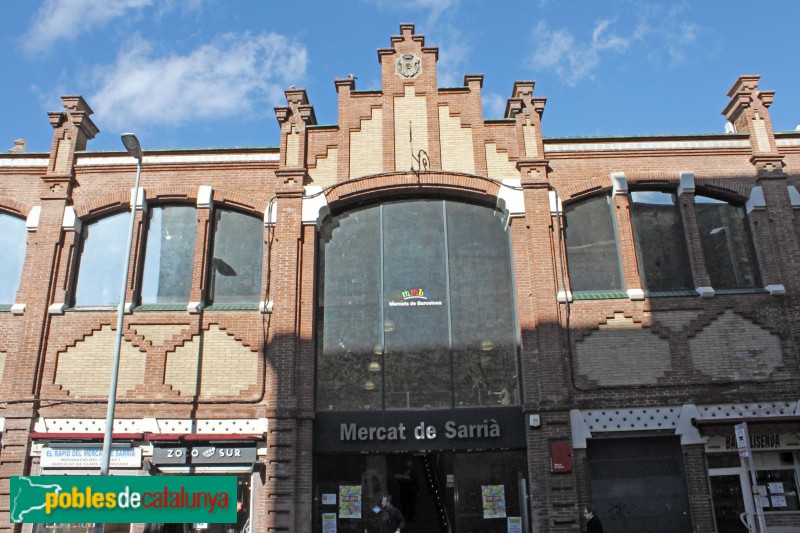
[299, 106]
[77, 112]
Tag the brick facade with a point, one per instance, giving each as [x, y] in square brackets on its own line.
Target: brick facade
[579, 354]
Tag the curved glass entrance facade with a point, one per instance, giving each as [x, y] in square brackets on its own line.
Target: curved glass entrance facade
[415, 309]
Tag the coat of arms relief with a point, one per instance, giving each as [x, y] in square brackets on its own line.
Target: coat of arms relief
[408, 65]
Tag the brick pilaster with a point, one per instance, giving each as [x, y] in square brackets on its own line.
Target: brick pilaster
[73, 129]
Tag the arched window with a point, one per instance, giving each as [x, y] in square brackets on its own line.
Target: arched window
[169, 255]
[102, 260]
[236, 264]
[727, 245]
[660, 241]
[13, 236]
[415, 308]
[591, 239]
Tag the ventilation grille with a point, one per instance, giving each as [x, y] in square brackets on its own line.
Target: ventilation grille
[651, 418]
[746, 410]
[97, 425]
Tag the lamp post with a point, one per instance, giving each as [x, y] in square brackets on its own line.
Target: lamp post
[135, 150]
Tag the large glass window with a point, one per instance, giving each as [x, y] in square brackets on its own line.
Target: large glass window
[484, 346]
[416, 362]
[103, 256]
[592, 252]
[728, 248]
[12, 241]
[169, 258]
[660, 242]
[236, 265]
[415, 309]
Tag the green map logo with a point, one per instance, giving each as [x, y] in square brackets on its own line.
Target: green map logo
[120, 499]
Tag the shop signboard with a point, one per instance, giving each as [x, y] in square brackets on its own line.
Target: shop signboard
[399, 431]
[758, 442]
[204, 454]
[89, 457]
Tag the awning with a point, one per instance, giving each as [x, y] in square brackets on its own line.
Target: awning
[203, 437]
[723, 427]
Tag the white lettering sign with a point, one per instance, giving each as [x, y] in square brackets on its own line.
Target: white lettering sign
[89, 457]
[488, 429]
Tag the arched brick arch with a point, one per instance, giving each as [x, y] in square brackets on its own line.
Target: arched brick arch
[14, 207]
[104, 205]
[653, 179]
[121, 200]
[242, 202]
[717, 188]
[408, 184]
[584, 189]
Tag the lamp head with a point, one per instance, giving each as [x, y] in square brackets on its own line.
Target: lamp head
[132, 146]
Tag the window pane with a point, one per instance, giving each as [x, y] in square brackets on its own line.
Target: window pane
[660, 242]
[349, 358]
[169, 259]
[417, 365]
[730, 258]
[236, 266]
[592, 246]
[13, 235]
[103, 258]
[484, 340]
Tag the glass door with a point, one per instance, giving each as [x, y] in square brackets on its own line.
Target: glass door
[732, 511]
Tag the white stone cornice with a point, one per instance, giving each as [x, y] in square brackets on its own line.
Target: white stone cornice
[619, 183]
[315, 205]
[687, 183]
[19, 162]
[93, 160]
[32, 222]
[622, 145]
[756, 202]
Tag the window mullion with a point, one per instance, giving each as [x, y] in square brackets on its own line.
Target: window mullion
[449, 314]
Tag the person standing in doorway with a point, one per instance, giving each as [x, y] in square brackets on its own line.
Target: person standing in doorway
[392, 520]
[593, 524]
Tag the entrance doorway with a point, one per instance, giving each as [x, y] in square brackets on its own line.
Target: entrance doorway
[732, 511]
[437, 492]
[418, 486]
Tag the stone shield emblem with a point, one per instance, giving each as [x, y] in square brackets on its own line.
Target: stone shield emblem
[408, 65]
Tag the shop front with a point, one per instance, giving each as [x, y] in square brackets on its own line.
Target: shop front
[231, 457]
[446, 470]
[81, 455]
[777, 473]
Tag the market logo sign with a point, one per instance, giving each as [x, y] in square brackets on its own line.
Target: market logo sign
[123, 499]
[412, 298]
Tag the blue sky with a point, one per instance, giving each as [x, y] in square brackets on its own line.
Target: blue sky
[206, 73]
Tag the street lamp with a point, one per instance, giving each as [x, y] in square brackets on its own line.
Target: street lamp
[135, 150]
